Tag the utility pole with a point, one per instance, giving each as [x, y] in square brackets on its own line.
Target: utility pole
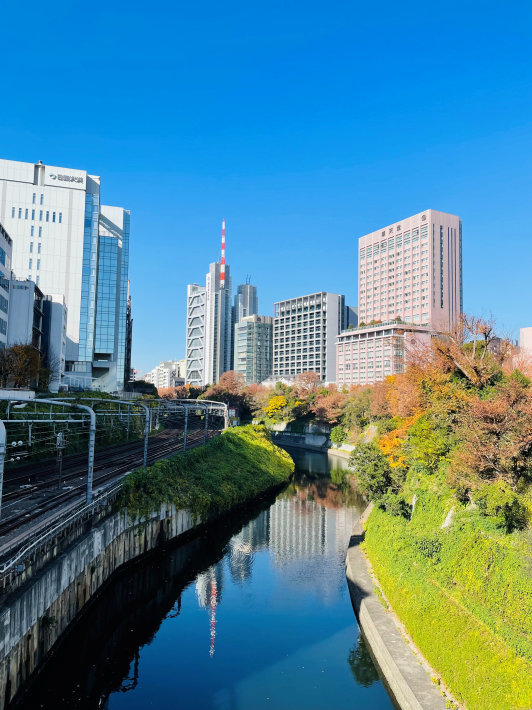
[60, 447]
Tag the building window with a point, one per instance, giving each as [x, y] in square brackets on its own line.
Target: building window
[12, 212]
[20, 212]
[39, 248]
[53, 217]
[30, 263]
[37, 279]
[40, 215]
[32, 230]
[31, 247]
[60, 217]
[33, 214]
[47, 216]
[26, 212]
[38, 264]
[40, 231]
[42, 198]
[33, 199]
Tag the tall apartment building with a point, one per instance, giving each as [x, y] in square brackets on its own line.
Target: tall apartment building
[409, 285]
[209, 337]
[304, 334]
[6, 249]
[68, 243]
[254, 348]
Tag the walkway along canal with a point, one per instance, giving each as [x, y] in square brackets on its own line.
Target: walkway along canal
[254, 613]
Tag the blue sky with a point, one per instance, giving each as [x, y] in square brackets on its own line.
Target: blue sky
[304, 124]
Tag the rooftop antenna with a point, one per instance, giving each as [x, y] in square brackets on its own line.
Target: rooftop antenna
[222, 262]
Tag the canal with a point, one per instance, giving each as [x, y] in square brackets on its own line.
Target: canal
[254, 613]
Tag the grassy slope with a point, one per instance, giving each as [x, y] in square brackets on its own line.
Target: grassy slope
[235, 467]
[465, 596]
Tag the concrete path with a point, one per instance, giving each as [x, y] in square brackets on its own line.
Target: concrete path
[407, 674]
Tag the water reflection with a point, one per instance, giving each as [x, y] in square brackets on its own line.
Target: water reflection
[254, 613]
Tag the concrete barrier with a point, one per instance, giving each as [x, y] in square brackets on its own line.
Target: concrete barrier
[406, 672]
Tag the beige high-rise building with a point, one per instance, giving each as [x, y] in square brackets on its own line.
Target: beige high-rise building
[409, 286]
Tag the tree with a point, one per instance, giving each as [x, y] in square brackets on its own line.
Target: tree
[25, 363]
[496, 435]
[329, 407]
[468, 349]
[372, 471]
[306, 383]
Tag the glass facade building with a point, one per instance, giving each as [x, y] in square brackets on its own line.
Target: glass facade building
[70, 244]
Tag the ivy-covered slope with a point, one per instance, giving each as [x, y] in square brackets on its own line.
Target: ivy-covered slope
[234, 467]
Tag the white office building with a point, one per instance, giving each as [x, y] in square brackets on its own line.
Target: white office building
[304, 335]
[209, 328]
[68, 243]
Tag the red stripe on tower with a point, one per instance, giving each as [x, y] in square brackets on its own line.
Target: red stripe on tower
[222, 262]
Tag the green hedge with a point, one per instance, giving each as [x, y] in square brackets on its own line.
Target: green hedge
[234, 467]
[465, 595]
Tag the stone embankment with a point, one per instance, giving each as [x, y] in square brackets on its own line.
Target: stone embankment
[406, 673]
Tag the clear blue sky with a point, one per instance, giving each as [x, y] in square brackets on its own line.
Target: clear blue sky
[304, 124]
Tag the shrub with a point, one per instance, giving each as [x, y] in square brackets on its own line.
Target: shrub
[395, 505]
[499, 502]
[338, 435]
[372, 470]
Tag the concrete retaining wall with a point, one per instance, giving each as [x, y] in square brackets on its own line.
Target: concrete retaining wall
[34, 617]
[406, 673]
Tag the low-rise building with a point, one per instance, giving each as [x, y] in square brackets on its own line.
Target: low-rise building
[166, 374]
[525, 340]
[253, 356]
[371, 353]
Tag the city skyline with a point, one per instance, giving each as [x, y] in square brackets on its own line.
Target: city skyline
[295, 128]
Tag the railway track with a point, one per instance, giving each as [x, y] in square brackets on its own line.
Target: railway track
[74, 479]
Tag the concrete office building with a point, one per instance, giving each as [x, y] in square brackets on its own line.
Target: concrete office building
[411, 272]
[25, 322]
[55, 316]
[6, 249]
[371, 353]
[70, 244]
[304, 335]
[254, 348]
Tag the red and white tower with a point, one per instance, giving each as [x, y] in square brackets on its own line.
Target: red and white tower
[222, 261]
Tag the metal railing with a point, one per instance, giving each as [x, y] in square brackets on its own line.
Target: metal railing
[51, 531]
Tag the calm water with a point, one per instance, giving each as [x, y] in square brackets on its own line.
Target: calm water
[256, 614]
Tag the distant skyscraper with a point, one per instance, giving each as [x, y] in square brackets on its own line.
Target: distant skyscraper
[68, 243]
[246, 302]
[209, 325]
